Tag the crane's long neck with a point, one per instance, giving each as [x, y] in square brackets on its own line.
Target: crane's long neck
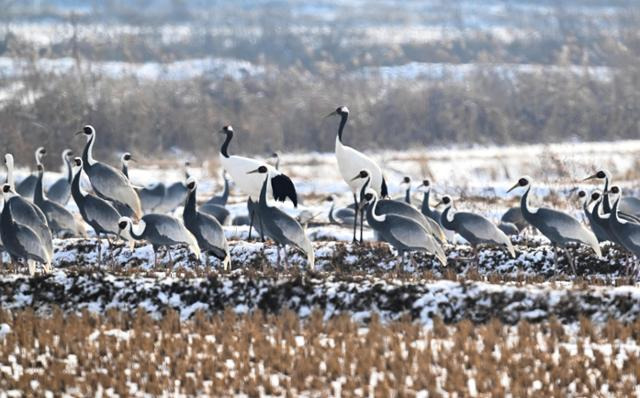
[332, 219]
[374, 207]
[444, 218]
[614, 212]
[87, 153]
[595, 212]
[527, 212]
[225, 144]
[364, 187]
[225, 193]
[134, 235]
[38, 156]
[10, 177]
[190, 205]
[75, 188]
[343, 122]
[69, 169]
[38, 195]
[407, 195]
[426, 208]
[606, 203]
[125, 169]
[263, 193]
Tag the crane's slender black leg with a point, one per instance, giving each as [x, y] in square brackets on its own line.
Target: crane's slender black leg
[355, 218]
[361, 223]
[278, 255]
[99, 250]
[252, 213]
[261, 228]
[286, 257]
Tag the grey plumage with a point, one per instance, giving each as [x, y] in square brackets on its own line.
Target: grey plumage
[95, 211]
[27, 186]
[508, 228]
[403, 233]
[560, 228]
[474, 228]
[60, 191]
[628, 204]
[221, 200]
[343, 216]
[390, 206]
[107, 182]
[432, 213]
[206, 229]
[159, 230]
[60, 220]
[175, 194]
[628, 233]
[220, 213]
[514, 216]
[151, 197]
[281, 227]
[24, 231]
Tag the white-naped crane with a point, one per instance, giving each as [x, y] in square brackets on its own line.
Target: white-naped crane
[351, 162]
[108, 182]
[95, 211]
[205, 228]
[280, 186]
[61, 222]
[60, 191]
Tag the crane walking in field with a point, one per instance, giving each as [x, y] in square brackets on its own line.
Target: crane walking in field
[205, 228]
[60, 191]
[95, 211]
[280, 185]
[350, 163]
[627, 233]
[560, 228]
[279, 226]
[159, 230]
[474, 228]
[404, 234]
[24, 231]
[108, 183]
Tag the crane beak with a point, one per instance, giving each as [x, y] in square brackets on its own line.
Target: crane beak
[438, 204]
[591, 177]
[513, 187]
[78, 132]
[134, 160]
[355, 178]
[331, 114]
[252, 171]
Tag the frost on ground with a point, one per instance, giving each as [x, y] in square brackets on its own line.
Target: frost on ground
[361, 296]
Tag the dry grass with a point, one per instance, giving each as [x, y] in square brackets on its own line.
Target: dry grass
[227, 354]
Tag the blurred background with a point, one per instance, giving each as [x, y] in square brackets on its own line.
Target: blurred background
[161, 77]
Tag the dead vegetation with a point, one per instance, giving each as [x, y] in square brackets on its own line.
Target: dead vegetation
[133, 354]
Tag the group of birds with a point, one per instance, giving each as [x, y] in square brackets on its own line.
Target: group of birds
[116, 208]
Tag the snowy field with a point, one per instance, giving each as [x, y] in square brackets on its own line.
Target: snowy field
[260, 323]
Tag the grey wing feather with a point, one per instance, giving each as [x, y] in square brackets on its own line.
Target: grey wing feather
[169, 228]
[413, 235]
[58, 215]
[212, 231]
[60, 191]
[289, 227]
[480, 227]
[31, 243]
[102, 213]
[568, 227]
[112, 184]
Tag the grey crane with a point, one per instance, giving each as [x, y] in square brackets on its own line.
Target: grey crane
[27, 186]
[508, 228]
[514, 216]
[343, 216]
[221, 200]
[107, 182]
[628, 204]
[176, 193]
[280, 226]
[590, 206]
[403, 233]
[601, 221]
[95, 211]
[220, 213]
[560, 228]
[150, 197]
[21, 240]
[390, 206]
[430, 212]
[205, 228]
[60, 220]
[628, 233]
[160, 230]
[60, 191]
[474, 228]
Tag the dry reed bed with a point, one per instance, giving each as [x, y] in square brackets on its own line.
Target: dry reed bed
[362, 296]
[133, 354]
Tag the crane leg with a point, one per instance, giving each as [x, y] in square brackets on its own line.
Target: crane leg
[261, 228]
[361, 223]
[475, 257]
[99, 250]
[278, 256]
[355, 218]
[250, 223]
[570, 260]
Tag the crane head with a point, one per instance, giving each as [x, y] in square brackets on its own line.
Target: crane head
[600, 175]
[126, 157]
[362, 174]
[67, 153]
[87, 130]
[445, 200]
[226, 129]
[262, 170]
[191, 184]
[522, 182]
[341, 110]
[77, 161]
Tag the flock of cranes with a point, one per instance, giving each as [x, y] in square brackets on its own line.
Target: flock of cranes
[116, 208]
